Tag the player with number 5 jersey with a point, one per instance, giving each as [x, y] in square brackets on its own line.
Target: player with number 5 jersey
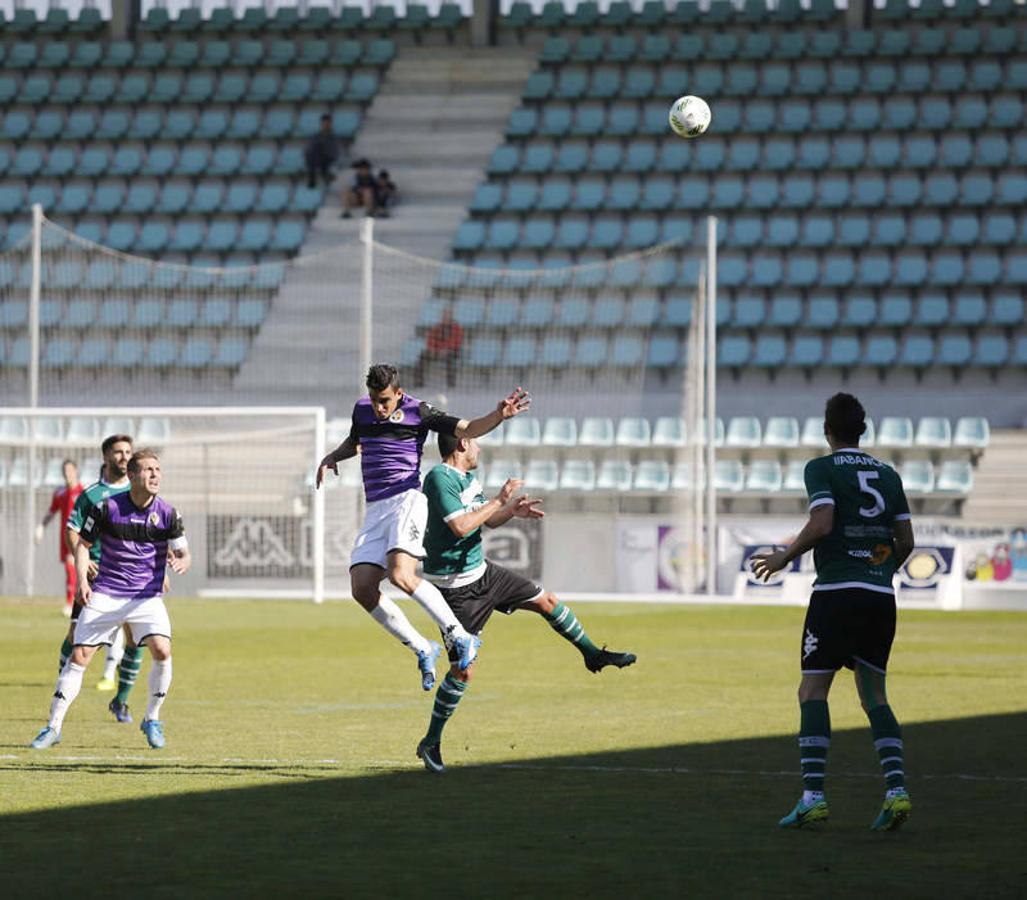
[860, 532]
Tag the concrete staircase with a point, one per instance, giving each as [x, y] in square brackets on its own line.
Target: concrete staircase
[434, 124]
[1000, 482]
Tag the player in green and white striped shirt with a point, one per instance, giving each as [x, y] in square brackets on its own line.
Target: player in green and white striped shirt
[474, 587]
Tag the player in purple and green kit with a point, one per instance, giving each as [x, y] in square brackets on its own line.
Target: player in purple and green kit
[390, 428]
[138, 532]
[860, 532]
[116, 450]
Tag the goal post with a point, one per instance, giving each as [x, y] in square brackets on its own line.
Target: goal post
[242, 478]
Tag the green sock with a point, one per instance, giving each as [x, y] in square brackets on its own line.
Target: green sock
[66, 649]
[128, 671]
[446, 698]
[814, 741]
[888, 744]
[563, 621]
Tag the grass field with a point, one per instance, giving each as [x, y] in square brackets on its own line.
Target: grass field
[290, 763]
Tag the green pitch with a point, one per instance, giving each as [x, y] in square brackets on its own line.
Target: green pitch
[290, 765]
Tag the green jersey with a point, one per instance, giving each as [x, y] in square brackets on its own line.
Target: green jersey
[452, 561]
[868, 499]
[87, 501]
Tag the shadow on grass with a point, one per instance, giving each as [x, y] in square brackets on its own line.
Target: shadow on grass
[696, 820]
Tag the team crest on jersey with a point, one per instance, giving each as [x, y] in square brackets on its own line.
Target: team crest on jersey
[154, 519]
[397, 416]
[879, 555]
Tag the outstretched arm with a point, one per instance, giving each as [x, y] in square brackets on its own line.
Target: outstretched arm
[518, 401]
[819, 525]
[345, 450]
[521, 508]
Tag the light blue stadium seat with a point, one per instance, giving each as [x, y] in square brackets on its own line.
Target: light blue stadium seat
[734, 351]
[917, 351]
[764, 477]
[651, 476]
[591, 352]
[896, 433]
[560, 431]
[728, 476]
[664, 351]
[972, 432]
[933, 432]
[770, 351]
[627, 351]
[881, 351]
[954, 350]
[917, 476]
[843, 351]
[520, 351]
[250, 313]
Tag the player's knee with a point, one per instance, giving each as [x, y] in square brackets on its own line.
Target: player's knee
[547, 602]
[80, 656]
[160, 649]
[406, 581]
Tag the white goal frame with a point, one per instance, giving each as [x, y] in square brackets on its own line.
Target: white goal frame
[32, 444]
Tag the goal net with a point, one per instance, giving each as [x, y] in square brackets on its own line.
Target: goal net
[241, 478]
[612, 347]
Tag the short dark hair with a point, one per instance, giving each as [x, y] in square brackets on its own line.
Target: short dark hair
[382, 376]
[142, 453]
[448, 444]
[69, 462]
[113, 439]
[845, 418]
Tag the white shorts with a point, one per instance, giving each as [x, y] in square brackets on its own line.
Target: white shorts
[99, 622]
[395, 523]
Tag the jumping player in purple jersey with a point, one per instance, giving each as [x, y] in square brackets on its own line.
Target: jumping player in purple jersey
[139, 532]
[390, 428]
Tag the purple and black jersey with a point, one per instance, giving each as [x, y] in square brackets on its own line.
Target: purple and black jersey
[390, 449]
[134, 545]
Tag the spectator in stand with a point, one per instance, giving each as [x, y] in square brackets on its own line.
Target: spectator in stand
[385, 193]
[444, 343]
[361, 191]
[63, 502]
[321, 153]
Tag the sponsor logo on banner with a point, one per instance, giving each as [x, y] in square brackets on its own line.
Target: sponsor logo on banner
[516, 546]
[247, 546]
[926, 567]
[673, 556]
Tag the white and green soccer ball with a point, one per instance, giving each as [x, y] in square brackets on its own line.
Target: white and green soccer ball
[690, 116]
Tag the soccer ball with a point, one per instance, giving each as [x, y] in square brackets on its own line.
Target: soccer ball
[690, 116]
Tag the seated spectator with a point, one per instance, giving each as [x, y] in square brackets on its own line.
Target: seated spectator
[385, 193]
[361, 191]
[321, 152]
[444, 343]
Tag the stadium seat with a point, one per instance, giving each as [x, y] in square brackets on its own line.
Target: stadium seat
[577, 475]
[560, 431]
[728, 476]
[917, 476]
[781, 431]
[933, 432]
[764, 477]
[955, 477]
[895, 433]
[744, 432]
[651, 476]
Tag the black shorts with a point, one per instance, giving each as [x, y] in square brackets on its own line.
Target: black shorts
[498, 589]
[847, 626]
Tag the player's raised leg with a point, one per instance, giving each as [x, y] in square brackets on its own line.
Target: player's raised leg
[449, 694]
[814, 742]
[563, 621]
[403, 574]
[159, 684]
[888, 743]
[365, 580]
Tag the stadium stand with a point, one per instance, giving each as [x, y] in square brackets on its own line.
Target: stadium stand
[870, 183]
[184, 145]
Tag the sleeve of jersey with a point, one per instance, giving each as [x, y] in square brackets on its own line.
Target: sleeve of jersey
[436, 420]
[78, 513]
[818, 487]
[55, 503]
[176, 532]
[354, 435]
[93, 524]
[443, 495]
